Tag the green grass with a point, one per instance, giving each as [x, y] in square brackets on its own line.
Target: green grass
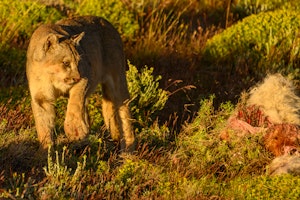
[180, 102]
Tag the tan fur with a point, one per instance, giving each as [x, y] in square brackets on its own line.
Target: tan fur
[71, 58]
[277, 99]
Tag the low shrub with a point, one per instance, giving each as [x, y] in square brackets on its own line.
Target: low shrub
[267, 42]
[146, 96]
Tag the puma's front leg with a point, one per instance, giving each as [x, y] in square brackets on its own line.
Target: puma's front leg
[44, 115]
[76, 123]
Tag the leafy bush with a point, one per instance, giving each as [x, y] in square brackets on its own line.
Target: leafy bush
[114, 11]
[263, 42]
[146, 96]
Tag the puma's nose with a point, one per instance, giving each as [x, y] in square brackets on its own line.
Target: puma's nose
[76, 79]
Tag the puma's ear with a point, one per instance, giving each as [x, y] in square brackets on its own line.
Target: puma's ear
[40, 52]
[76, 38]
[52, 39]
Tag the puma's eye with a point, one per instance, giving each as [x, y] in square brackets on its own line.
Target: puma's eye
[66, 63]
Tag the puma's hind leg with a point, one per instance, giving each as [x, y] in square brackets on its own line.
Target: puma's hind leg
[116, 113]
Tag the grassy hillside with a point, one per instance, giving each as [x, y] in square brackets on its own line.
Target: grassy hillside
[188, 62]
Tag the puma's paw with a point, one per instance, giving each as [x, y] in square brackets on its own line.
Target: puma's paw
[76, 129]
[45, 145]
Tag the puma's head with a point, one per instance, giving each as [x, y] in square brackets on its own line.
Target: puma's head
[58, 57]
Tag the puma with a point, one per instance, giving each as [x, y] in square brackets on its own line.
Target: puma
[70, 58]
